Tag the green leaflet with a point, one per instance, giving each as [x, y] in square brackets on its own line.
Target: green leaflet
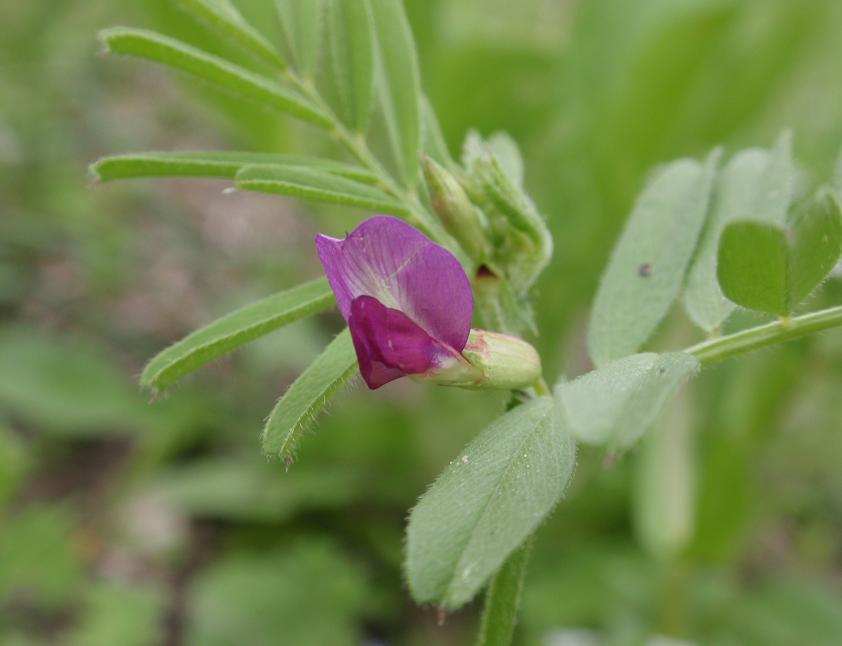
[217, 71]
[756, 184]
[487, 502]
[507, 154]
[224, 18]
[316, 185]
[398, 85]
[501, 146]
[351, 44]
[234, 330]
[647, 266]
[432, 138]
[752, 266]
[223, 165]
[308, 396]
[303, 22]
[764, 267]
[615, 404]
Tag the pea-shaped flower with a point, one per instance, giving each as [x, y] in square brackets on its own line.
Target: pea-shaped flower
[409, 306]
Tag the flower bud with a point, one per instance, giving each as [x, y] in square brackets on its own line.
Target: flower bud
[458, 214]
[523, 244]
[506, 362]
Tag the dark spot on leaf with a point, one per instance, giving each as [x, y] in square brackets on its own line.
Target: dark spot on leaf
[645, 270]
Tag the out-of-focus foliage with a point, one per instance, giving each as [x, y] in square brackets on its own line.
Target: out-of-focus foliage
[124, 522]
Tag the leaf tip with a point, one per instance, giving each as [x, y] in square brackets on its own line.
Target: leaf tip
[94, 175]
[104, 38]
[150, 383]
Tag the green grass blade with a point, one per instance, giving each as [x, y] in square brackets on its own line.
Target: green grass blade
[399, 85]
[224, 18]
[234, 330]
[308, 396]
[212, 164]
[239, 81]
[317, 186]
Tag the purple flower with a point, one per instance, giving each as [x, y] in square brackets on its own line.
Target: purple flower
[407, 301]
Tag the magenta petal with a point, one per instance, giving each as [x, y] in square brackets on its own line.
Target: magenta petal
[389, 345]
[404, 270]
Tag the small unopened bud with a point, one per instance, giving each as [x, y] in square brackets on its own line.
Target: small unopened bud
[458, 214]
[526, 244]
[506, 362]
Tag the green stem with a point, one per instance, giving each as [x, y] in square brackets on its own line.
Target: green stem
[502, 600]
[725, 347]
[357, 147]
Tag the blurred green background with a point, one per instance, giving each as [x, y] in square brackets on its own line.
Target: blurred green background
[125, 523]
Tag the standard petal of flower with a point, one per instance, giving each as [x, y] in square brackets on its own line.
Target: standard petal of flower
[390, 345]
[391, 261]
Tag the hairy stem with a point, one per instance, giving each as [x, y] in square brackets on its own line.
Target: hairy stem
[725, 347]
[502, 599]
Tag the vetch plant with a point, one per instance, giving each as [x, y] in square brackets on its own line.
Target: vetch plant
[457, 241]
